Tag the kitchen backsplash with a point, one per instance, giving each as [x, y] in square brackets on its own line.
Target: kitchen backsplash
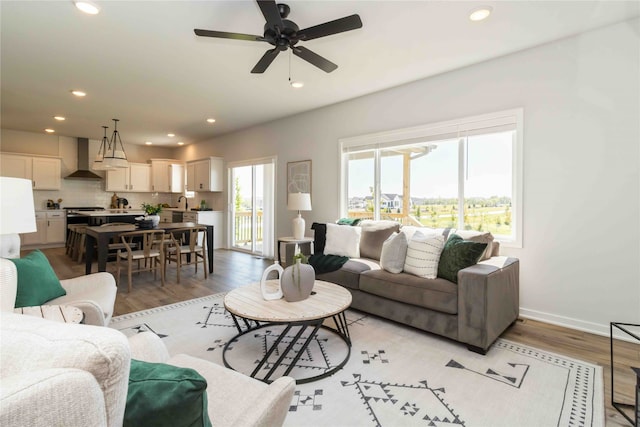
[92, 193]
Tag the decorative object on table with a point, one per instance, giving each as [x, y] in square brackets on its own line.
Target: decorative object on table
[297, 280]
[268, 296]
[152, 213]
[299, 177]
[17, 212]
[115, 157]
[203, 204]
[299, 202]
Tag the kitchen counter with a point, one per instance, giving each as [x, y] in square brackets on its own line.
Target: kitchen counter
[112, 212]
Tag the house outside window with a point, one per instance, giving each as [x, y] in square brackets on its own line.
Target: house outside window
[463, 174]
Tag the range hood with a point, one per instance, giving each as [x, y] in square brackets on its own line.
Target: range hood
[83, 171]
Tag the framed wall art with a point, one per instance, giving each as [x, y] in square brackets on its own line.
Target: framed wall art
[299, 177]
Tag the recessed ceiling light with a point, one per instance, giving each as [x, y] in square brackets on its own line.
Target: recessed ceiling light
[211, 120]
[296, 84]
[148, 143]
[79, 93]
[180, 143]
[480, 13]
[49, 130]
[87, 7]
[171, 135]
[59, 118]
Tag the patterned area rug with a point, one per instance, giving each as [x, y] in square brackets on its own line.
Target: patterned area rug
[395, 376]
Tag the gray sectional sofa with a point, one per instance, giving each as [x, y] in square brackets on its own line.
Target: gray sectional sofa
[475, 311]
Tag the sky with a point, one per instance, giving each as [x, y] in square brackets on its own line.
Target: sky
[435, 175]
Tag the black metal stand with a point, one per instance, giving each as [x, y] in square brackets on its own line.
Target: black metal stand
[619, 405]
[341, 331]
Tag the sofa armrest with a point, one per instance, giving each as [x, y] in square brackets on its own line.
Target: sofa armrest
[148, 347]
[488, 301]
[50, 397]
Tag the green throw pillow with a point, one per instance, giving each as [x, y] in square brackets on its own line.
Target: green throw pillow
[165, 395]
[348, 221]
[37, 282]
[456, 255]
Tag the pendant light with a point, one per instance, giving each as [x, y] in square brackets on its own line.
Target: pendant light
[98, 163]
[115, 157]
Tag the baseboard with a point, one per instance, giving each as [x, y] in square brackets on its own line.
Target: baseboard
[580, 325]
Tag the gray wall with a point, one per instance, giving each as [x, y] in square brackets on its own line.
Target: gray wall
[581, 241]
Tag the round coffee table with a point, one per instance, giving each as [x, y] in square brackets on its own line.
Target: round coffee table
[58, 313]
[284, 345]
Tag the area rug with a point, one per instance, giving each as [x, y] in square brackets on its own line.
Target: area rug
[396, 375]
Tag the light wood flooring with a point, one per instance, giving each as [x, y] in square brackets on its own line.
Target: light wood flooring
[233, 269]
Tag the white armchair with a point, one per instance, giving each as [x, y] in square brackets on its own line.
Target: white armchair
[53, 373]
[94, 294]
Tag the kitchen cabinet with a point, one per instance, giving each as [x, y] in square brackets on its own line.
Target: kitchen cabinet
[44, 172]
[205, 174]
[51, 230]
[215, 218]
[167, 176]
[135, 178]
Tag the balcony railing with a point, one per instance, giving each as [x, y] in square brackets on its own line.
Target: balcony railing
[242, 227]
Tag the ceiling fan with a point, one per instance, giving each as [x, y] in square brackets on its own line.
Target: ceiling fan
[285, 34]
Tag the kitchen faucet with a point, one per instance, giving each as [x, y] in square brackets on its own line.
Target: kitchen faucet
[186, 202]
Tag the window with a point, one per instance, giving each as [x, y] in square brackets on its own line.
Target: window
[464, 174]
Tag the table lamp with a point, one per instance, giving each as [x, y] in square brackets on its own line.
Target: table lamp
[299, 202]
[17, 214]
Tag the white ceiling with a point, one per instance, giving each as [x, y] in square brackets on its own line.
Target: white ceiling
[141, 62]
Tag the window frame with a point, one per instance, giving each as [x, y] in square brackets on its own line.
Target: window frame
[438, 131]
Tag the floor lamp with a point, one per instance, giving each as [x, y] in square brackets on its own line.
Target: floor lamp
[17, 214]
[299, 202]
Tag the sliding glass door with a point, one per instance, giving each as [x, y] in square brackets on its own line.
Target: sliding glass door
[251, 202]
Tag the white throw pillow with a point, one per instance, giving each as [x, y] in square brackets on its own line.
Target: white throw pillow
[423, 255]
[343, 240]
[394, 252]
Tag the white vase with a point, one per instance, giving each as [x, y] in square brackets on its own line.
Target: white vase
[155, 220]
[263, 282]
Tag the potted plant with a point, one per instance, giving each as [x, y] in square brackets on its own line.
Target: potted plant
[152, 212]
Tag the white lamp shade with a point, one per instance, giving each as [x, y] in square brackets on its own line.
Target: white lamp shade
[17, 212]
[299, 202]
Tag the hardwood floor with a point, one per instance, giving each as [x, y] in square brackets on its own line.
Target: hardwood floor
[233, 269]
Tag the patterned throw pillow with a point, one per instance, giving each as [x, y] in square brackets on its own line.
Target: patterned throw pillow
[394, 252]
[423, 254]
[458, 254]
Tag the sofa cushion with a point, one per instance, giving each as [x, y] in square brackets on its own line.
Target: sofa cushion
[343, 240]
[478, 237]
[349, 275]
[423, 254]
[435, 294]
[394, 252]
[374, 233]
[37, 282]
[458, 254]
[165, 395]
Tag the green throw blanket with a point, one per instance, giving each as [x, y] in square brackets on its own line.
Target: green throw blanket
[327, 263]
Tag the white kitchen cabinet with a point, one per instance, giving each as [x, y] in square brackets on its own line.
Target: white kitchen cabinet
[44, 172]
[167, 176]
[51, 230]
[205, 174]
[135, 178]
[215, 218]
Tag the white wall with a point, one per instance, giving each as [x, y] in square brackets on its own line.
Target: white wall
[581, 251]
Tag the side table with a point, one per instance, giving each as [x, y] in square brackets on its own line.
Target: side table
[629, 329]
[58, 313]
[289, 247]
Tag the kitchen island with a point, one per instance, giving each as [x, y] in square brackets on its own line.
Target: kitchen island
[111, 215]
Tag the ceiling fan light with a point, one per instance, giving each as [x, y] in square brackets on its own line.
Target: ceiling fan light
[87, 7]
[480, 13]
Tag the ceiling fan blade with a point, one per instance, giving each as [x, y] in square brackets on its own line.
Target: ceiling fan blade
[341, 25]
[225, 35]
[271, 13]
[265, 61]
[314, 59]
